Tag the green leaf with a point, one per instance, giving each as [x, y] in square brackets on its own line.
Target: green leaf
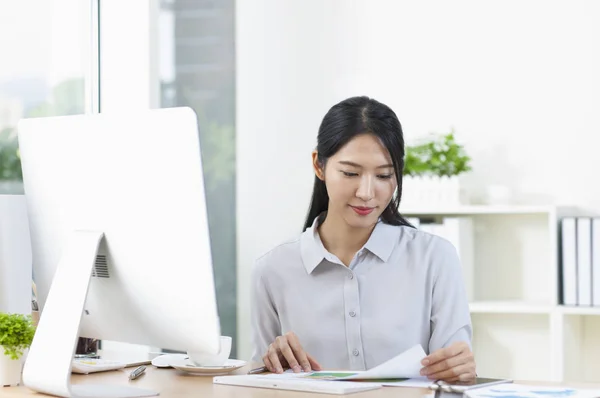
[440, 156]
[16, 333]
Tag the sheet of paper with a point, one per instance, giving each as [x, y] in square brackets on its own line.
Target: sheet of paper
[285, 382]
[530, 391]
[416, 382]
[404, 366]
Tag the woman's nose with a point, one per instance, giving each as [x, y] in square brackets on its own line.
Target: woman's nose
[365, 189]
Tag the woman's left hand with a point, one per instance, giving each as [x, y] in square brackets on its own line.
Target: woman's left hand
[450, 364]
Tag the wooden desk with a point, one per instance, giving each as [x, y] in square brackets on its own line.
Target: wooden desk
[174, 384]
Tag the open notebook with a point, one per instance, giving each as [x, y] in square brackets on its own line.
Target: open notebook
[401, 367]
[296, 384]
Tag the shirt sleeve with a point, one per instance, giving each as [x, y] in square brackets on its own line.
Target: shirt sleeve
[264, 317]
[450, 317]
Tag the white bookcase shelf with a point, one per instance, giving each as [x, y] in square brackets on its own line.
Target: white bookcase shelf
[520, 330]
[509, 307]
[593, 311]
[480, 210]
[581, 342]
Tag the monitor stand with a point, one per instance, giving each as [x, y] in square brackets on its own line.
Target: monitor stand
[48, 365]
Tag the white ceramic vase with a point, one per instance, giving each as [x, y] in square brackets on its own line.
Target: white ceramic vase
[10, 369]
[11, 187]
[430, 191]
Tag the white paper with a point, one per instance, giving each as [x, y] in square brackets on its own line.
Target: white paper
[416, 382]
[406, 365]
[286, 382]
[530, 391]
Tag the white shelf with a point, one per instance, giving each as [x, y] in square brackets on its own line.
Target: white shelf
[579, 310]
[477, 210]
[523, 307]
[509, 307]
[473, 210]
[511, 273]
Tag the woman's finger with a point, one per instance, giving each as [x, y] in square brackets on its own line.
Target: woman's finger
[445, 353]
[445, 364]
[314, 365]
[465, 377]
[283, 346]
[274, 358]
[448, 374]
[268, 363]
[299, 354]
[470, 376]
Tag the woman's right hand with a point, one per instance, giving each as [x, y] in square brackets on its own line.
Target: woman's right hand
[287, 352]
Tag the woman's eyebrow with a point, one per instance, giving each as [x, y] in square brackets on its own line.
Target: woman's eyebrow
[349, 163]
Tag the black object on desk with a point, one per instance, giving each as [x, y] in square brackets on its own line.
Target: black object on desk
[262, 369]
[137, 372]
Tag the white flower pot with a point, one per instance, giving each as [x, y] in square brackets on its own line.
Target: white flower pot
[11, 187]
[430, 191]
[10, 369]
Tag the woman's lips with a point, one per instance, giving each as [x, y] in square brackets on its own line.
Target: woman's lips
[361, 210]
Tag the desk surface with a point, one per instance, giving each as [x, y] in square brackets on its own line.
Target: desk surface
[175, 384]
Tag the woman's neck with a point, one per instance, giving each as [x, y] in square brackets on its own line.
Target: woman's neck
[342, 240]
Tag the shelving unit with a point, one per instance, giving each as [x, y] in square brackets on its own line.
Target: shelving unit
[581, 336]
[509, 307]
[520, 330]
[579, 310]
[472, 210]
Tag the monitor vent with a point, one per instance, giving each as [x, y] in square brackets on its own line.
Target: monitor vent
[100, 267]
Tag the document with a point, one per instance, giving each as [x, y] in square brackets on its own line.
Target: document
[285, 382]
[400, 368]
[404, 366]
[530, 391]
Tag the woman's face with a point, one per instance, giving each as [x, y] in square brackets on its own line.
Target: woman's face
[360, 181]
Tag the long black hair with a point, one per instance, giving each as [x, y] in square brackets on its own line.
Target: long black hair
[343, 122]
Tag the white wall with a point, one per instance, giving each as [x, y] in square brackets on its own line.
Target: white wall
[15, 256]
[128, 66]
[129, 55]
[518, 80]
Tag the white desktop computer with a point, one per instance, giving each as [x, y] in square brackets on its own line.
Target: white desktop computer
[120, 239]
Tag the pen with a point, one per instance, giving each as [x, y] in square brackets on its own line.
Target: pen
[437, 387]
[262, 369]
[137, 372]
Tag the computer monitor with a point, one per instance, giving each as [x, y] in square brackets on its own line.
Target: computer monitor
[120, 239]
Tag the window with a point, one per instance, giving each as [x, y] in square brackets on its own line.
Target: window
[196, 69]
[42, 72]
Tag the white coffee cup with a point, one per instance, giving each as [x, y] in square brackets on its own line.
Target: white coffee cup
[203, 359]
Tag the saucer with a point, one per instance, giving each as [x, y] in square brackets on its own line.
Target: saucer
[186, 365]
[164, 361]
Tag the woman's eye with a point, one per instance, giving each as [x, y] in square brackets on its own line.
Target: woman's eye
[347, 174]
[385, 176]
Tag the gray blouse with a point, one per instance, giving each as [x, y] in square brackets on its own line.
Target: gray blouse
[404, 287]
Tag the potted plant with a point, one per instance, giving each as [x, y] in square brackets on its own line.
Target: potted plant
[431, 170]
[16, 335]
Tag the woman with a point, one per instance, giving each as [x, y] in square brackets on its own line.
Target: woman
[360, 285]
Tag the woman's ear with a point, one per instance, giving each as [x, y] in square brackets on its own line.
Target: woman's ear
[317, 166]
